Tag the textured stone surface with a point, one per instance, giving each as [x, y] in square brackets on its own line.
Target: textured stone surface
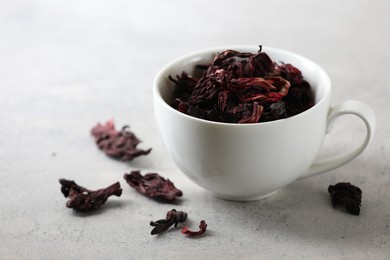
[66, 65]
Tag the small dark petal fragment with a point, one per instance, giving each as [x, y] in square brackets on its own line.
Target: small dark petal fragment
[153, 185]
[348, 195]
[202, 229]
[160, 226]
[82, 199]
[173, 217]
[121, 145]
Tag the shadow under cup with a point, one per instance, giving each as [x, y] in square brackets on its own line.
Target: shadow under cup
[242, 161]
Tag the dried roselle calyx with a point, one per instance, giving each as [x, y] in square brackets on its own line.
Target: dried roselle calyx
[241, 87]
[348, 195]
[185, 81]
[82, 199]
[262, 64]
[173, 217]
[254, 116]
[202, 229]
[117, 144]
[274, 111]
[153, 186]
[290, 73]
[226, 58]
[223, 56]
[269, 89]
[299, 98]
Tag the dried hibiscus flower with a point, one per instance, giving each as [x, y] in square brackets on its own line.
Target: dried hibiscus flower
[173, 217]
[202, 229]
[240, 87]
[344, 193]
[82, 199]
[117, 144]
[153, 185]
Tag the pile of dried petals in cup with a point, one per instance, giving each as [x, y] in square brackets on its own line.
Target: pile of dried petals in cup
[242, 87]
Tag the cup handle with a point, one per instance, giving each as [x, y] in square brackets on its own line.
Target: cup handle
[347, 107]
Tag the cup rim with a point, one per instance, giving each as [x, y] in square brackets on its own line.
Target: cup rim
[191, 55]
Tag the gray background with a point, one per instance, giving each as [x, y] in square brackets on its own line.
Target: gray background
[66, 65]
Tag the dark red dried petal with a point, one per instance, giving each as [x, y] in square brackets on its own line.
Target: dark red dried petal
[185, 81]
[117, 144]
[82, 199]
[255, 116]
[344, 193]
[223, 56]
[153, 185]
[291, 73]
[202, 229]
[257, 83]
[299, 98]
[262, 63]
[269, 89]
[102, 130]
[205, 90]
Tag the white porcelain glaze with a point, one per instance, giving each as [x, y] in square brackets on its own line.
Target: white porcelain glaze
[252, 161]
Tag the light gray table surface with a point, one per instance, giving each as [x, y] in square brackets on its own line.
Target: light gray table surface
[66, 65]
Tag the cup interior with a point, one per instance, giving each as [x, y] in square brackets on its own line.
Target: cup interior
[312, 72]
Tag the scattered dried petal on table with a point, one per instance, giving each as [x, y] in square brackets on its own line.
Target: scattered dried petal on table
[202, 229]
[344, 193]
[153, 185]
[82, 199]
[117, 144]
[172, 217]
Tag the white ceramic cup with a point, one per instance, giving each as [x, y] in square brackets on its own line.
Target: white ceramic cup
[253, 161]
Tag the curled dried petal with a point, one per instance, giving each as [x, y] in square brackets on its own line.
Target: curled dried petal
[269, 89]
[255, 116]
[202, 229]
